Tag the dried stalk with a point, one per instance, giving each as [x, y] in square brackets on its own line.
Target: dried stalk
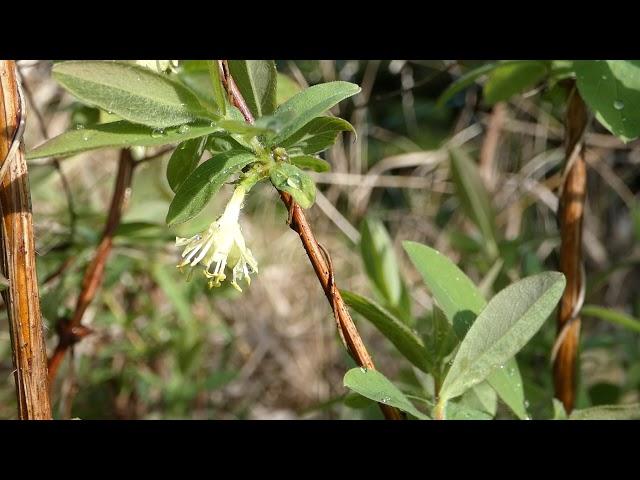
[570, 215]
[318, 257]
[72, 331]
[18, 258]
[490, 145]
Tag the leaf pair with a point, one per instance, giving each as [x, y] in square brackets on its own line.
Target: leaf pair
[463, 305]
[491, 334]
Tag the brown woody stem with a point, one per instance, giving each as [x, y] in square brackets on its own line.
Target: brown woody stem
[323, 269]
[570, 215]
[19, 260]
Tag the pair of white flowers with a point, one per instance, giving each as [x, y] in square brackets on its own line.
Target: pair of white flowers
[221, 246]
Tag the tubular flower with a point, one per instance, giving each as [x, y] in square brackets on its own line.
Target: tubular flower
[221, 245]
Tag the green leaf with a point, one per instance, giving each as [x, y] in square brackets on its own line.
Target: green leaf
[464, 81]
[196, 76]
[308, 104]
[506, 324]
[457, 411]
[357, 401]
[455, 293]
[559, 412]
[291, 179]
[310, 163]
[471, 76]
[286, 88]
[482, 397]
[241, 127]
[408, 343]
[117, 135]
[222, 141]
[205, 181]
[611, 88]
[507, 382]
[380, 262]
[508, 80]
[317, 135]
[375, 386]
[461, 302]
[441, 339]
[474, 197]
[608, 412]
[184, 160]
[216, 83]
[256, 80]
[612, 316]
[83, 116]
[132, 92]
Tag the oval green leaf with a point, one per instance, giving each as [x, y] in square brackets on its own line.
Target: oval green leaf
[375, 386]
[308, 104]
[205, 181]
[381, 266]
[508, 80]
[470, 77]
[506, 324]
[286, 88]
[474, 197]
[184, 160]
[216, 86]
[132, 92]
[256, 80]
[457, 411]
[408, 343]
[317, 135]
[309, 162]
[454, 292]
[482, 398]
[117, 135]
[295, 182]
[611, 88]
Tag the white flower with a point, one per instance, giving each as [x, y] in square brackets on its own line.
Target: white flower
[221, 245]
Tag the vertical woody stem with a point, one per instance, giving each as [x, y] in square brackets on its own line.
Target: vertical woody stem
[320, 261]
[570, 215]
[19, 260]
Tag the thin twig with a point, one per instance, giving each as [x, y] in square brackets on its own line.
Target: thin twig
[72, 331]
[490, 145]
[324, 272]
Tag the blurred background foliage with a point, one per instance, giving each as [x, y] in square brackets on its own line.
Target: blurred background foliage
[163, 347]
